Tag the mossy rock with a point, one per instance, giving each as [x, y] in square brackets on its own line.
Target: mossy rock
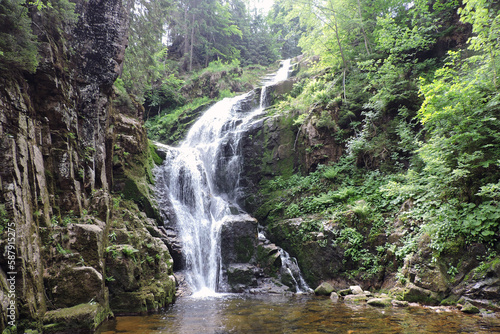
[469, 308]
[324, 289]
[82, 316]
[413, 293]
[380, 302]
[355, 298]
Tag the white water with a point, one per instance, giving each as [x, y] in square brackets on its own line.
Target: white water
[201, 178]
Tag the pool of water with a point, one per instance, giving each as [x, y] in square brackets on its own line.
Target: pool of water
[296, 314]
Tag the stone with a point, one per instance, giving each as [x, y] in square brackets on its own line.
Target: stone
[239, 236]
[379, 302]
[241, 276]
[345, 292]
[86, 315]
[355, 298]
[334, 297]
[324, 289]
[413, 293]
[76, 285]
[356, 290]
[469, 308]
[400, 303]
[87, 240]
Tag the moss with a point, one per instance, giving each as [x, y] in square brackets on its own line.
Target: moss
[82, 316]
[450, 301]
[154, 156]
[132, 191]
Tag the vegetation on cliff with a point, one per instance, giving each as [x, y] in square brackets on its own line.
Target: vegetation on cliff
[409, 92]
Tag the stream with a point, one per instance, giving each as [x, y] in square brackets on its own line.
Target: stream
[234, 313]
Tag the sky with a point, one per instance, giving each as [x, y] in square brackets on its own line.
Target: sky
[265, 5]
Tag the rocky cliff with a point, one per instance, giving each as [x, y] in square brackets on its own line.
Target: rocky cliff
[75, 181]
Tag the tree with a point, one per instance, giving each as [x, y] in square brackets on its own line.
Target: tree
[18, 44]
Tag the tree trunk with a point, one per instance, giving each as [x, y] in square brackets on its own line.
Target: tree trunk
[367, 44]
[192, 43]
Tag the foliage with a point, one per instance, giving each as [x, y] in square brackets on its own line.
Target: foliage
[18, 44]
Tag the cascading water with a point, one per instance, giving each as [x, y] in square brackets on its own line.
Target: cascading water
[200, 179]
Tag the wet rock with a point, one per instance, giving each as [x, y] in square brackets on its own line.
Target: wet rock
[268, 258]
[334, 297]
[345, 292]
[239, 236]
[324, 289]
[242, 276]
[87, 240]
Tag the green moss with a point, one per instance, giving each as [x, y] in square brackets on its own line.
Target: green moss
[450, 301]
[82, 316]
[244, 249]
[153, 155]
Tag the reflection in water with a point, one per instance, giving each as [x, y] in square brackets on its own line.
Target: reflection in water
[295, 314]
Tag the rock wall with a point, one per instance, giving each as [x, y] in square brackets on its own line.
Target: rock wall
[62, 151]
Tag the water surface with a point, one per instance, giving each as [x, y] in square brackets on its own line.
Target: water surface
[296, 314]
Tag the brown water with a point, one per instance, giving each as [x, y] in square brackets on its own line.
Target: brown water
[296, 314]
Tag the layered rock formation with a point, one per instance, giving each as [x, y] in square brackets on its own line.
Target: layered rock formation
[64, 149]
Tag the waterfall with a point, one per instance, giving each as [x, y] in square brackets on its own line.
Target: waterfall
[200, 179]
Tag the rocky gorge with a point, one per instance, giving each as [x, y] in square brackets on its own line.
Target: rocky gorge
[76, 180]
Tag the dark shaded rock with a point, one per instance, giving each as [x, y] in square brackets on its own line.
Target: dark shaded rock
[345, 292]
[76, 285]
[242, 276]
[268, 258]
[239, 236]
[87, 240]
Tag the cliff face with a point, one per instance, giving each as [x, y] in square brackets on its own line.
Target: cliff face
[61, 146]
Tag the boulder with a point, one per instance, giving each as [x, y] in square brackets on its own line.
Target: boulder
[87, 240]
[242, 276]
[469, 308]
[82, 316]
[413, 293]
[76, 285]
[324, 289]
[379, 302]
[239, 236]
[400, 303]
[356, 290]
[355, 298]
